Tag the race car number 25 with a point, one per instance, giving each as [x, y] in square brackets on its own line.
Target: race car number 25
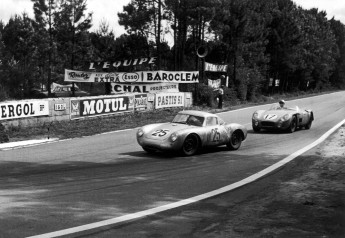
[160, 133]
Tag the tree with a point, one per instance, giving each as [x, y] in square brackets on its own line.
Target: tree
[338, 76]
[72, 25]
[143, 17]
[19, 47]
[44, 11]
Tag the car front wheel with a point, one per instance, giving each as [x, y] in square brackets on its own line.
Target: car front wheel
[293, 125]
[235, 141]
[256, 128]
[190, 145]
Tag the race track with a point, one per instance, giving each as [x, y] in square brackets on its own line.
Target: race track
[60, 185]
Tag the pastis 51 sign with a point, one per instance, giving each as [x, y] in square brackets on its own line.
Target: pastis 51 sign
[164, 100]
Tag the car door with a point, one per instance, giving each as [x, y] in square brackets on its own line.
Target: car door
[302, 117]
[216, 133]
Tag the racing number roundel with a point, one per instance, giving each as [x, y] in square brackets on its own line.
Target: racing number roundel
[270, 116]
[160, 133]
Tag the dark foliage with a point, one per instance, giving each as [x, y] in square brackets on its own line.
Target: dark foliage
[257, 40]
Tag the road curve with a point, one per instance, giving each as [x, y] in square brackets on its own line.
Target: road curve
[75, 182]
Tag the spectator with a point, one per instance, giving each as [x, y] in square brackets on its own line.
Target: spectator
[220, 97]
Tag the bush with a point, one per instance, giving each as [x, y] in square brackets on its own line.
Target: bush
[205, 95]
[3, 136]
[3, 94]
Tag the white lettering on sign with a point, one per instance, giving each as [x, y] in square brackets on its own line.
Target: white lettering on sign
[127, 62]
[104, 106]
[171, 76]
[169, 100]
[215, 67]
[60, 107]
[140, 102]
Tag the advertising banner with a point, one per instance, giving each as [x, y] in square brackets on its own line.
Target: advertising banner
[215, 67]
[21, 109]
[171, 76]
[214, 83]
[169, 100]
[140, 102]
[144, 88]
[100, 106]
[133, 77]
[126, 62]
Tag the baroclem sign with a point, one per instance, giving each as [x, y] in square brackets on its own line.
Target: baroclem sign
[133, 77]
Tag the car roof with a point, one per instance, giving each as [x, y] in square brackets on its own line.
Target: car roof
[197, 113]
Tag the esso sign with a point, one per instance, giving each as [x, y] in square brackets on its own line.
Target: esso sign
[130, 77]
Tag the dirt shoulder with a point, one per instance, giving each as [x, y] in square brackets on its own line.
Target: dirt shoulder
[305, 198]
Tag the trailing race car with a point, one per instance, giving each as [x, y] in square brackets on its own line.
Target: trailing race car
[189, 131]
[282, 118]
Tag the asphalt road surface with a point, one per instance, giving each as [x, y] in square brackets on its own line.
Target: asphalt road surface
[56, 186]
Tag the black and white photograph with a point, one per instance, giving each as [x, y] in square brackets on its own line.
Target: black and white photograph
[172, 118]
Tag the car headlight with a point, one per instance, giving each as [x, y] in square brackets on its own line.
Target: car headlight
[173, 137]
[255, 115]
[286, 117]
[140, 132]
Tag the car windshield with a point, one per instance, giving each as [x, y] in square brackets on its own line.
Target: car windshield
[188, 119]
[277, 107]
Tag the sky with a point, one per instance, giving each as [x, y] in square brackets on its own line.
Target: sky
[106, 10]
[103, 10]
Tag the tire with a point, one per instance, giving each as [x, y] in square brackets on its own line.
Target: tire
[190, 145]
[148, 150]
[256, 128]
[293, 125]
[308, 125]
[235, 141]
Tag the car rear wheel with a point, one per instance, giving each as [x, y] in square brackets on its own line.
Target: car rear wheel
[190, 145]
[235, 141]
[293, 125]
[308, 124]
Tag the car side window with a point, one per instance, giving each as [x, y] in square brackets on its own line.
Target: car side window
[211, 121]
[195, 121]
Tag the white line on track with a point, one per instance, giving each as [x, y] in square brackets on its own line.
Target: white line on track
[191, 200]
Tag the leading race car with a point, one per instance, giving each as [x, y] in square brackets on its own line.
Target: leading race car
[189, 131]
[282, 118]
